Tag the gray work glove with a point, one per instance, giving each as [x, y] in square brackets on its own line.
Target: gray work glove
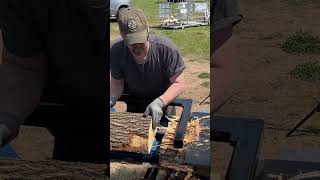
[155, 108]
[1, 138]
[9, 127]
[112, 101]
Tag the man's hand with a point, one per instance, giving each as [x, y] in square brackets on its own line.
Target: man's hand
[116, 88]
[112, 101]
[1, 138]
[9, 127]
[155, 108]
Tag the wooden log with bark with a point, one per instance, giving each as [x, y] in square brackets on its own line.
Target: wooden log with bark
[50, 169]
[131, 132]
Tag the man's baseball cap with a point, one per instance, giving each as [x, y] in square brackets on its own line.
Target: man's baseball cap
[133, 25]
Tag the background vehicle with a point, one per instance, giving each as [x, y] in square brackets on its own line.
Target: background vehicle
[116, 5]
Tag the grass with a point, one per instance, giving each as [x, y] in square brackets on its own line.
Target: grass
[193, 42]
[302, 42]
[303, 2]
[205, 84]
[204, 75]
[150, 9]
[114, 31]
[309, 71]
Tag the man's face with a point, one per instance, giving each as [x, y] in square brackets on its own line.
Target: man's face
[140, 51]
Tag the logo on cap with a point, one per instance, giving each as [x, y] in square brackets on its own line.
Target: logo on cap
[132, 24]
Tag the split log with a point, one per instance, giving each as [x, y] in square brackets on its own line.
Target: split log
[39, 170]
[131, 132]
[171, 157]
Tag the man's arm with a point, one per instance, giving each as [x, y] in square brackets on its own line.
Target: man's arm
[23, 68]
[21, 82]
[223, 74]
[175, 89]
[116, 88]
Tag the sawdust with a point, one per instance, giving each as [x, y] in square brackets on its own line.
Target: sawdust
[192, 133]
[194, 129]
[172, 158]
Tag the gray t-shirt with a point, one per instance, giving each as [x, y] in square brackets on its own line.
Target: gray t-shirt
[151, 79]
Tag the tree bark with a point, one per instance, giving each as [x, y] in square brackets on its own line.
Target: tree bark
[39, 170]
[131, 132]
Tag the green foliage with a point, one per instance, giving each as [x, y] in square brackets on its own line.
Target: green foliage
[302, 42]
[204, 75]
[303, 2]
[309, 71]
[206, 84]
[192, 42]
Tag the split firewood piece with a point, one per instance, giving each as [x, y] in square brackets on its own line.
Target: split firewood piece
[131, 132]
[173, 156]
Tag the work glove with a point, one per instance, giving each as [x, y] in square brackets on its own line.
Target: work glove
[155, 108]
[112, 102]
[1, 138]
[9, 127]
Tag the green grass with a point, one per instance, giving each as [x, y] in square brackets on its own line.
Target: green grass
[205, 84]
[150, 9]
[114, 31]
[192, 42]
[204, 75]
[302, 42]
[303, 2]
[309, 71]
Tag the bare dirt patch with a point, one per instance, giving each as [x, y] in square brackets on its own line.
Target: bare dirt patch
[265, 89]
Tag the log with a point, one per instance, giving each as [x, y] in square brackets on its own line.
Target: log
[131, 132]
[50, 169]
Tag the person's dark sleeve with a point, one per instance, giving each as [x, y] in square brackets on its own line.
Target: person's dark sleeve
[20, 36]
[115, 63]
[219, 37]
[175, 63]
[224, 15]
[21, 39]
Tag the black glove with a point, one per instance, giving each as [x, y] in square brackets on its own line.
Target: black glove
[155, 108]
[9, 127]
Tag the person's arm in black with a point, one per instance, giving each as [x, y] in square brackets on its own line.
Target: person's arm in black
[22, 69]
[223, 64]
[224, 68]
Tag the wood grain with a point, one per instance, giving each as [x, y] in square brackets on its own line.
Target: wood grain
[131, 132]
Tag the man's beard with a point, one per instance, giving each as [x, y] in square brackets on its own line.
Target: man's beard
[139, 59]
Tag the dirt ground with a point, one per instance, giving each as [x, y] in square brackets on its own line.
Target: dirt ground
[265, 89]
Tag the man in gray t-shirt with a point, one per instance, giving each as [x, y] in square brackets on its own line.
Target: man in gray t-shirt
[144, 66]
